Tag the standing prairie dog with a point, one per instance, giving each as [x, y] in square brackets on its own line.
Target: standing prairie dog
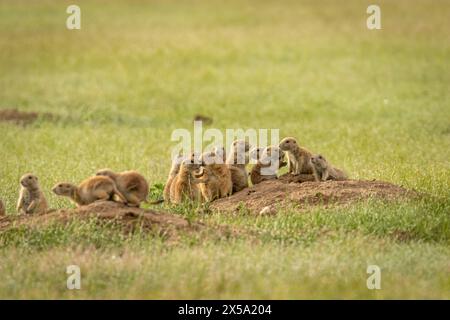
[324, 171]
[269, 161]
[2, 209]
[237, 160]
[209, 183]
[131, 184]
[92, 189]
[174, 169]
[31, 198]
[299, 159]
[184, 186]
[220, 170]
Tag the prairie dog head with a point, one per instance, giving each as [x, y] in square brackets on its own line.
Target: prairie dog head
[288, 144]
[319, 161]
[107, 173]
[190, 165]
[176, 163]
[220, 152]
[239, 152]
[29, 181]
[272, 155]
[64, 189]
[240, 146]
[209, 158]
[274, 152]
[255, 153]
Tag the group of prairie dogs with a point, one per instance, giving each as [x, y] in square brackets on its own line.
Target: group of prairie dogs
[202, 178]
[128, 187]
[213, 175]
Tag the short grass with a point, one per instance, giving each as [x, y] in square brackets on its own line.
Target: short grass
[374, 102]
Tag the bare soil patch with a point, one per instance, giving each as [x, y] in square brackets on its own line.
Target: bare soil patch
[21, 117]
[128, 218]
[300, 191]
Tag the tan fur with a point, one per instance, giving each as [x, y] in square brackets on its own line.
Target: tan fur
[266, 156]
[299, 159]
[2, 209]
[220, 151]
[220, 170]
[96, 188]
[175, 168]
[131, 184]
[209, 184]
[184, 186]
[237, 161]
[324, 171]
[31, 198]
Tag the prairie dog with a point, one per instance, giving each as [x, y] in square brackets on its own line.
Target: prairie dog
[31, 198]
[220, 170]
[92, 189]
[324, 171]
[269, 161]
[184, 186]
[131, 184]
[237, 160]
[2, 209]
[175, 168]
[299, 159]
[209, 184]
[220, 151]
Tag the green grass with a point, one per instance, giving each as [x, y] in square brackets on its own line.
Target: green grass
[374, 102]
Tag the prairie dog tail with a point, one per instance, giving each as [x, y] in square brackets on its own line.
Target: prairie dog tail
[120, 195]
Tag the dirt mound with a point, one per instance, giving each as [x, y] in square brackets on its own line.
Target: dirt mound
[130, 219]
[287, 191]
[21, 117]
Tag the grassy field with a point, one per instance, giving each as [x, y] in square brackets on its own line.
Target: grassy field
[376, 103]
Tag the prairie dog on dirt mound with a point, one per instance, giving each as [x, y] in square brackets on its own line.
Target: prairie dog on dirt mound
[209, 183]
[220, 152]
[299, 159]
[324, 171]
[2, 209]
[92, 189]
[131, 184]
[31, 198]
[237, 160]
[270, 160]
[184, 186]
[220, 170]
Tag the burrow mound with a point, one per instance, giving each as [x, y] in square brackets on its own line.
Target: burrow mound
[301, 191]
[23, 118]
[169, 226]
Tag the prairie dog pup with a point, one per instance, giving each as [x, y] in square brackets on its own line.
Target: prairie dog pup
[131, 184]
[209, 184]
[269, 161]
[184, 186]
[92, 189]
[237, 160]
[31, 198]
[299, 159]
[324, 171]
[220, 151]
[220, 170]
[2, 209]
[175, 168]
